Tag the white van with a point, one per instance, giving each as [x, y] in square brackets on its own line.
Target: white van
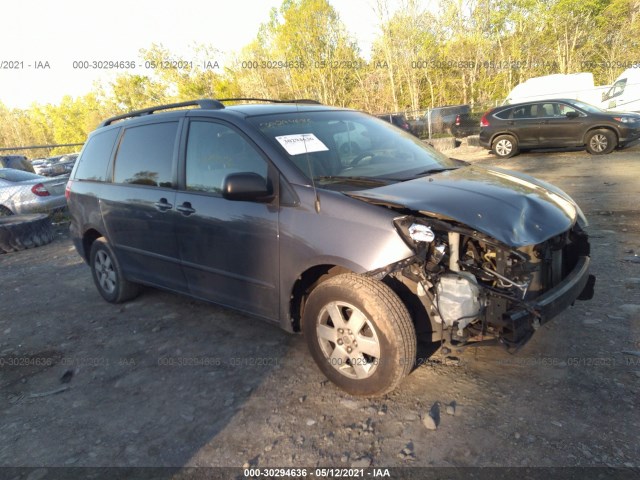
[624, 94]
[577, 86]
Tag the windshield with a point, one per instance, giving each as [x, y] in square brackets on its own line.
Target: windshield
[585, 106]
[337, 147]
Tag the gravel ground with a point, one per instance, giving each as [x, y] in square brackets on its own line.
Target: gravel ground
[169, 381]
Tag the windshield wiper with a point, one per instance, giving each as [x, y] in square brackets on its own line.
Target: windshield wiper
[435, 170]
[350, 179]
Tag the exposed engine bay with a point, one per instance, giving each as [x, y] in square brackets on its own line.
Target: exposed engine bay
[475, 288]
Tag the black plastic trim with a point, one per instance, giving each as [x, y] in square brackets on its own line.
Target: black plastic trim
[551, 303]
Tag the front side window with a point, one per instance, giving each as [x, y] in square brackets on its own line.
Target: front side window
[213, 152]
[145, 155]
[562, 109]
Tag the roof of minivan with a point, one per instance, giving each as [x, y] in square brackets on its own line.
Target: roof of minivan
[246, 110]
[275, 108]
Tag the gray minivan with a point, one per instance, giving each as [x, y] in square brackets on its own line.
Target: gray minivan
[255, 207]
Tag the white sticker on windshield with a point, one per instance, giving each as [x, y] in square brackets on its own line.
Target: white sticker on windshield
[301, 143]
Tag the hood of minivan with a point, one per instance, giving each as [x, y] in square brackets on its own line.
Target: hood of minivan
[511, 207]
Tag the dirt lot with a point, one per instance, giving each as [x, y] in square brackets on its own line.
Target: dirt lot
[169, 381]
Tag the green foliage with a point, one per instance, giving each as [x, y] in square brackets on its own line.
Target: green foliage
[425, 54]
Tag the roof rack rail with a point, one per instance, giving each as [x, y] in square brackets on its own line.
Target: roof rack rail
[205, 103]
[270, 100]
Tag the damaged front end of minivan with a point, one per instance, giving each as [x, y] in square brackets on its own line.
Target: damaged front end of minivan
[476, 288]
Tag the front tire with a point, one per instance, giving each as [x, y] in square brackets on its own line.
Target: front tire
[360, 334]
[505, 146]
[107, 274]
[601, 142]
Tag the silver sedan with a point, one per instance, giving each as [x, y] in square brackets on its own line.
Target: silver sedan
[25, 192]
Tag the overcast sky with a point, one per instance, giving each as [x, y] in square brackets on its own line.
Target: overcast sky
[60, 32]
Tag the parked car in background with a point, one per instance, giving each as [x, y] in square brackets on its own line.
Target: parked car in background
[255, 207]
[56, 165]
[576, 86]
[38, 165]
[67, 162]
[624, 94]
[396, 119]
[441, 120]
[466, 124]
[508, 129]
[17, 162]
[26, 192]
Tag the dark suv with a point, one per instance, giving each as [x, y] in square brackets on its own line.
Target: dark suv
[259, 208]
[508, 129]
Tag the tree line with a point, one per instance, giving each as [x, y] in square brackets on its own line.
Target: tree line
[463, 51]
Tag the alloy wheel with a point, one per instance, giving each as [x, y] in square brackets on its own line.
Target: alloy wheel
[105, 272]
[348, 340]
[504, 147]
[599, 143]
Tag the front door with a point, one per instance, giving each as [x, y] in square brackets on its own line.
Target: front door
[229, 249]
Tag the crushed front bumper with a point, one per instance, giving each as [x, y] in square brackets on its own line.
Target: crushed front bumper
[578, 285]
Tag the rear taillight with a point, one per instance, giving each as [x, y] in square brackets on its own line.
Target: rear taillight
[457, 122]
[484, 122]
[67, 190]
[40, 190]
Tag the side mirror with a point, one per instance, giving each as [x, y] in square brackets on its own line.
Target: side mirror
[248, 187]
[604, 96]
[572, 114]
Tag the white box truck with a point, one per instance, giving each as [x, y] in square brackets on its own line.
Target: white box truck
[624, 94]
[578, 86]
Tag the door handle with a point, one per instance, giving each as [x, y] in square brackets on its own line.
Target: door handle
[186, 209]
[163, 205]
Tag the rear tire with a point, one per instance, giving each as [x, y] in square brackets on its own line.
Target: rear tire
[505, 146]
[360, 334]
[107, 274]
[601, 142]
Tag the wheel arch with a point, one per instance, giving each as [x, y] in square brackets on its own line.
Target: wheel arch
[600, 127]
[505, 132]
[315, 275]
[304, 285]
[89, 236]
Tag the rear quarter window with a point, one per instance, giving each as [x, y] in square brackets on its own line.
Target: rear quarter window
[504, 114]
[94, 160]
